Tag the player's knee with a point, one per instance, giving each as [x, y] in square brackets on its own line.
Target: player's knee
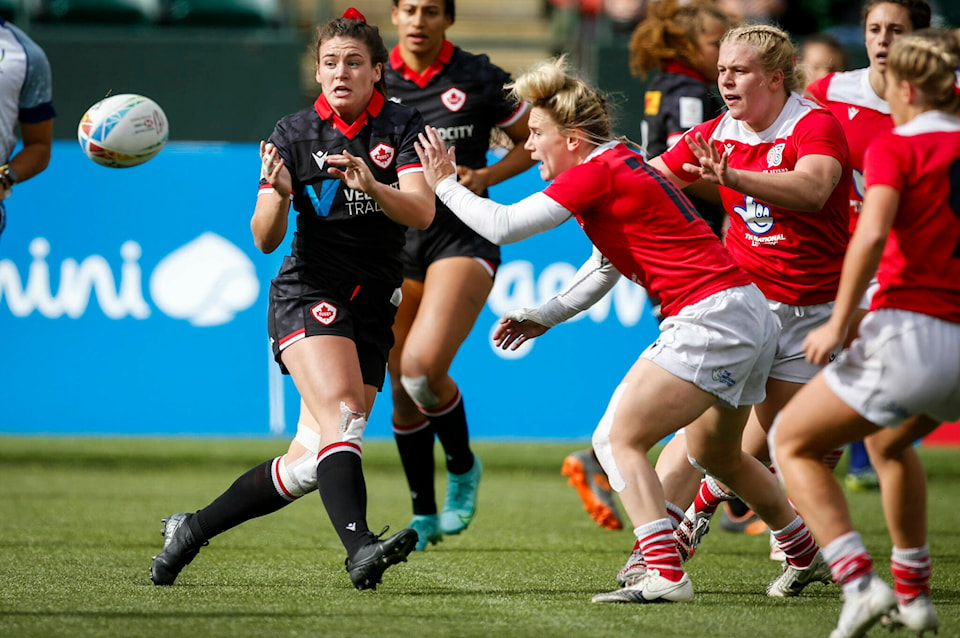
[298, 475]
[602, 445]
[352, 425]
[418, 389]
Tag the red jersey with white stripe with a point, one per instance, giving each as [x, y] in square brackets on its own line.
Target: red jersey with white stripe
[646, 227]
[794, 257]
[920, 268]
[863, 115]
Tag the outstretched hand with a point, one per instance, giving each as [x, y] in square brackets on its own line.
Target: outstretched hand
[353, 171]
[271, 169]
[438, 161]
[516, 328]
[713, 165]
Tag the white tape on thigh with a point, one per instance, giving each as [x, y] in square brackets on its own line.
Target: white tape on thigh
[601, 442]
[352, 425]
[419, 390]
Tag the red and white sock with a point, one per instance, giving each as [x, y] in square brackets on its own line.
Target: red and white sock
[797, 543]
[849, 561]
[911, 570]
[675, 514]
[659, 548]
[709, 497]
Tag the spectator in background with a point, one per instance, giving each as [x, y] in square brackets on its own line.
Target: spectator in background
[820, 55]
[857, 99]
[26, 91]
[448, 268]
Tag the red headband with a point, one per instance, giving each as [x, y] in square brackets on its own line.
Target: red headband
[353, 14]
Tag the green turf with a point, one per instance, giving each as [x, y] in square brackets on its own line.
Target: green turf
[80, 519]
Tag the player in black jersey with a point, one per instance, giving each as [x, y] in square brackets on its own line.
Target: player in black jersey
[448, 268]
[350, 169]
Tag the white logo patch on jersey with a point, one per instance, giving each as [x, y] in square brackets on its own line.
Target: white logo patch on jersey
[382, 155]
[324, 312]
[691, 112]
[320, 157]
[729, 147]
[453, 99]
[775, 155]
[852, 112]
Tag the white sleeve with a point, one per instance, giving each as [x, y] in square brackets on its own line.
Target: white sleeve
[594, 279]
[498, 223]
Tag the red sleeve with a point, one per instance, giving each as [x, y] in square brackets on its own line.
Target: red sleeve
[820, 133]
[886, 162]
[579, 188]
[817, 90]
[679, 154]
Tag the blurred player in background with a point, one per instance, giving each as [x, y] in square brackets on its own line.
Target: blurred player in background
[350, 169]
[26, 102]
[820, 55]
[906, 358]
[856, 98]
[704, 370]
[448, 268]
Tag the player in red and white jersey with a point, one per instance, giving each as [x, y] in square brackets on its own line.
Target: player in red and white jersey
[704, 360]
[856, 98]
[783, 169]
[905, 361]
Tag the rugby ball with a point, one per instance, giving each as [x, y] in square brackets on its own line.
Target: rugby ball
[123, 130]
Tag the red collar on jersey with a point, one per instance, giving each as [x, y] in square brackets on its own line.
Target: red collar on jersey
[374, 106]
[396, 62]
[675, 66]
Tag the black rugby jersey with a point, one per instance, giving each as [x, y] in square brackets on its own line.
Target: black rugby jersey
[461, 94]
[342, 232]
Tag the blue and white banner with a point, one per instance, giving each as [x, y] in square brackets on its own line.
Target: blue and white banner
[133, 302]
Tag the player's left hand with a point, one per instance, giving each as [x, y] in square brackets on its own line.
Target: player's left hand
[353, 171]
[438, 161]
[475, 180]
[713, 165]
[821, 342]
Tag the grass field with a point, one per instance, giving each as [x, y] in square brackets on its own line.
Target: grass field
[80, 520]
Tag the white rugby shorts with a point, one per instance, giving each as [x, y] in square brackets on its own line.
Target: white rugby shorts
[724, 345]
[902, 364]
[790, 363]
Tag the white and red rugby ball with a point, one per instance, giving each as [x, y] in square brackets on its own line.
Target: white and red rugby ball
[123, 130]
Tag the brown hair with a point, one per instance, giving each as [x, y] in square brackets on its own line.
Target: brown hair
[670, 32]
[918, 10]
[363, 32]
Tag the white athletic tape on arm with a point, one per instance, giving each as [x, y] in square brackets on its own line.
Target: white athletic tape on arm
[595, 278]
[601, 441]
[498, 223]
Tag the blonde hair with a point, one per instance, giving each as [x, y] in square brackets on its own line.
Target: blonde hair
[775, 50]
[572, 103]
[929, 59]
[670, 32]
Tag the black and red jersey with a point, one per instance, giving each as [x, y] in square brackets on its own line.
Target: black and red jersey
[343, 232]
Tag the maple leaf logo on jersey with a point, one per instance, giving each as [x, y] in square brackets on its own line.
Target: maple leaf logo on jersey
[382, 155]
[324, 312]
[453, 99]
[775, 155]
[755, 215]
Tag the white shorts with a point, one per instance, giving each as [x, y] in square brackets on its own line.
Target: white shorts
[872, 288]
[723, 344]
[902, 364]
[791, 363]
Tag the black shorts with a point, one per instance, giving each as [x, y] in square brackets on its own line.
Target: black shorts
[447, 236]
[305, 306]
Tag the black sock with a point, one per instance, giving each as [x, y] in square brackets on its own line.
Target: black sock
[344, 494]
[737, 507]
[416, 454]
[450, 424]
[250, 496]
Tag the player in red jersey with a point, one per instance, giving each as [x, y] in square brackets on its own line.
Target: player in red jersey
[906, 360]
[448, 269]
[704, 368]
[783, 169]
[856, 98]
